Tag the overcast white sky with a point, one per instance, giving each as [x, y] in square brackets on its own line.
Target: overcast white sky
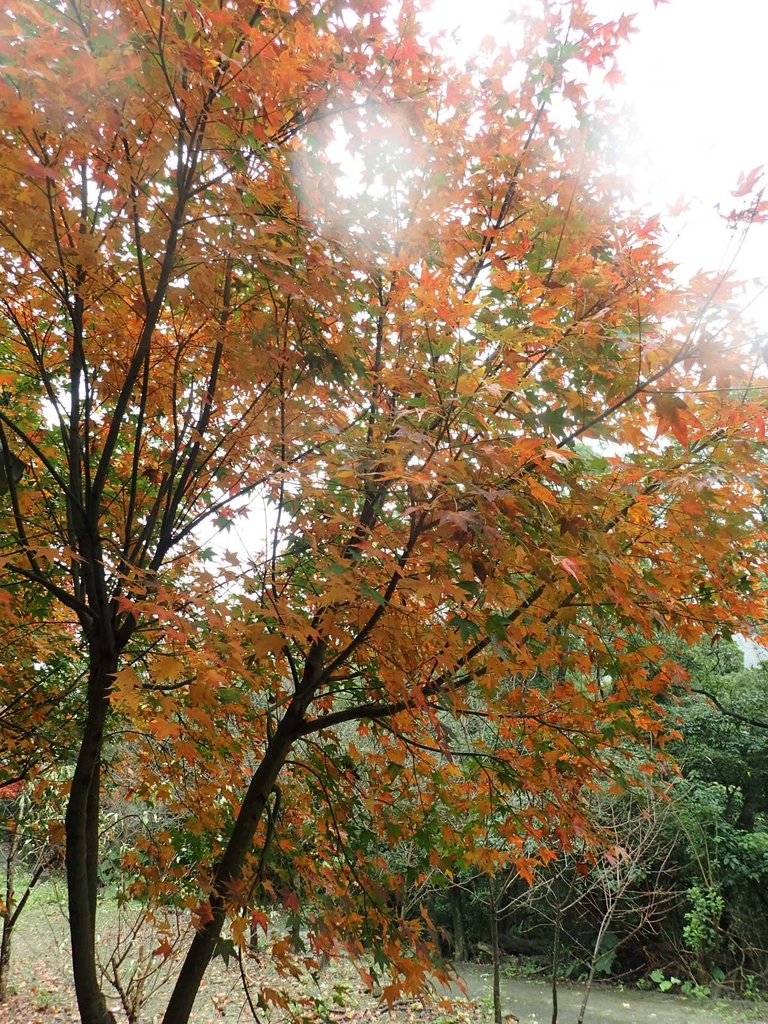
[696, 82]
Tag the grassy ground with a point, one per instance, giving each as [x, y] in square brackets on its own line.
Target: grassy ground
[42, 990]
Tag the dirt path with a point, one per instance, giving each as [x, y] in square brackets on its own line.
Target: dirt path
[531, 1002]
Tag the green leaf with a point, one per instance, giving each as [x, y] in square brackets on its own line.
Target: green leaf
[496, 626]
[372, 594]
[467, 630]
[225, 948]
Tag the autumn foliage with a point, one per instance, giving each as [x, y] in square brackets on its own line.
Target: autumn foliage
[482, 448]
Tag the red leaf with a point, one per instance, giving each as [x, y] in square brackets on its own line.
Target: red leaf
[747, 182]
[165, 949]
[571, 566]
[259, 920]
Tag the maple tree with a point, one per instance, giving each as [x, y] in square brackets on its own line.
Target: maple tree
[501, 448]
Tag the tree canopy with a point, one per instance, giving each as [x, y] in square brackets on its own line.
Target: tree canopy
[501, 449]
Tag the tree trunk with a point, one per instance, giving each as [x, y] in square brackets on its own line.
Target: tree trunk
[82, 856]
[92, 831]
[9, 919]
[13, 909]
[230, 868]
[457, 915]
[495, 951]
[556, 961]
[604, 925]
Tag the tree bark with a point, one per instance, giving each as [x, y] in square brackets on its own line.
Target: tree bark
[9, 919]
[93, 815]
[14, 909]
[229, 869]
[556, 961]
[604, 926]
[457, 915]
[495, 951]
[82, 833]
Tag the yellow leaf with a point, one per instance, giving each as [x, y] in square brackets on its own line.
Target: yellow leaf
[126, 688]
[396, 755]
[166, 669]
[162, 729]
[237, 928]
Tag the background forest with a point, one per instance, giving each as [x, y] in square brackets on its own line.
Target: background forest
[678, 898]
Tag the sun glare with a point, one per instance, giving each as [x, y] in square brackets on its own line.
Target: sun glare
[355, 173]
